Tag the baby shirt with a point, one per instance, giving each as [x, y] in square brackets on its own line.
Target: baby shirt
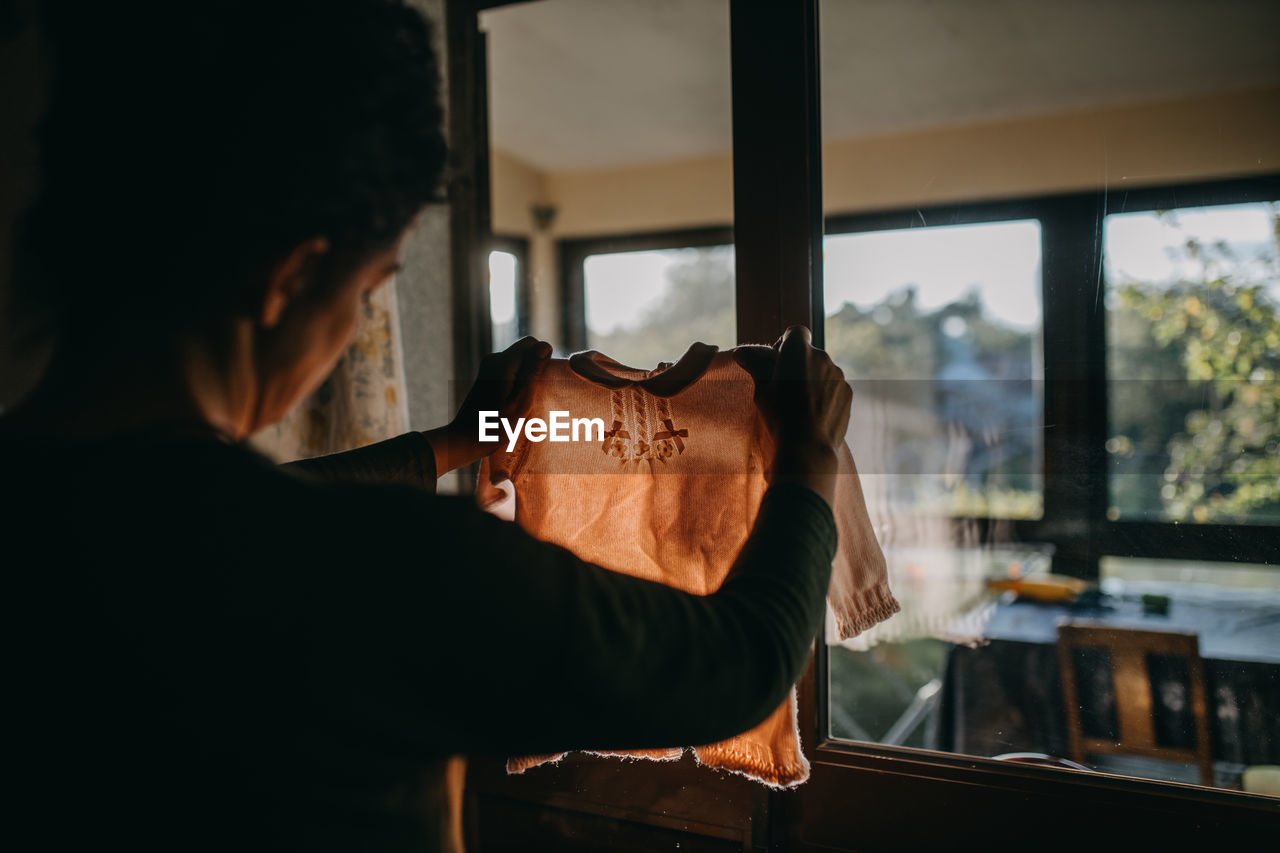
[669, 491]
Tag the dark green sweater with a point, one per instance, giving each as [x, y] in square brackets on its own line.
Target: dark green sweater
[217, 652]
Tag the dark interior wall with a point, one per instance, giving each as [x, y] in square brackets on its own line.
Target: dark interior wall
[23, 73]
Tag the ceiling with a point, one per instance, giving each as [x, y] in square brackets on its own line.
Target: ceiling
[588, 84]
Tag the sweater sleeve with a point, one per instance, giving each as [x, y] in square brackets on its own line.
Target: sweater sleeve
[406, 459]
[860, 596]
[544, 652]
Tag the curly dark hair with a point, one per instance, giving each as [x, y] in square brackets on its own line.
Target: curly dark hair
[187, 144]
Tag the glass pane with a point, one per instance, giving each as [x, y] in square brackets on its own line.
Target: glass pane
[1233, 610]
[1193, 337]
[886, 684]
[1054, 115]
[646, 307]
[939, 330]
[503, 311]
[610, 123]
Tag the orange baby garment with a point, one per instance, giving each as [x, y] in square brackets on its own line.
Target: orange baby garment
[669, 492]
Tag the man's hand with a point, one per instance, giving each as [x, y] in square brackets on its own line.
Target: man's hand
[804, 400]
[504, 385]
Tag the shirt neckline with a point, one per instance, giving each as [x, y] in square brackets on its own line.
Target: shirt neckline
[663, 381]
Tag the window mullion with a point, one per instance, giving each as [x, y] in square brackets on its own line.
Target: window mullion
[1075, 487]
[777, 168]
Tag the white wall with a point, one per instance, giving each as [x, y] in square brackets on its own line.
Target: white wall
[1210, 136]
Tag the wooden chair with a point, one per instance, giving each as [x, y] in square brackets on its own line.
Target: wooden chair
[1118, 664]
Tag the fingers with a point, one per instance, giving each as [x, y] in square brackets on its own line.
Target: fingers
[533, 360]
[520, 359]
[529, 350]
[524, 359]
[527, 347]
[794, 330]
[759, 361]
[843, 408]
[797, 330]
[806, 395]
[794, 350]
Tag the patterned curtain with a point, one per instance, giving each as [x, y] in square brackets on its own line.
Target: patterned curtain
[362, 401]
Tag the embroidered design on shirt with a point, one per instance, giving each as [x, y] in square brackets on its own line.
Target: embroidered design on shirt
[669, 438]
[660, 445]
[641, 450]
[615, 438]
[615, 441]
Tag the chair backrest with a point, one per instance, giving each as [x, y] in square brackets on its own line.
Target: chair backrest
[1135, 692]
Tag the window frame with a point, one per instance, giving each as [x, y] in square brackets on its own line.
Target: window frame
[859, 795]
[519, 247]
[573, 254]
[1074, 520]
[1075, 384]
[1075, 393]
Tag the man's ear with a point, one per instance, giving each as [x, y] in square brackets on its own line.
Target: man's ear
[288, 277]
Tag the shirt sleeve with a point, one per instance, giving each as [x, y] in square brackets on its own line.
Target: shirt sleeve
[859, 595]
[521, 647]
[406, 459]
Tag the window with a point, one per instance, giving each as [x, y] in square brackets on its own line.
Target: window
[646, 307]
[1188, 319]
[643, 299]
[508, 291]
[1193, 344]
[938, 329]
[502, 299]
[1069, 528]
[941, 330]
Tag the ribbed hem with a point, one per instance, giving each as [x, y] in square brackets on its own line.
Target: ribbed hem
[756, 762]
[516, 766]
[866, 609]
[674, 754]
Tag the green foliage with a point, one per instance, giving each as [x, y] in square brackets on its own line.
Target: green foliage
[898, 353]
[872, 689]
[1217, 337]
[990, 501]
[891, 341]
[698, 305]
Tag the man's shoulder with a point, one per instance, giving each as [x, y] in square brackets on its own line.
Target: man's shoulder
[222, 495]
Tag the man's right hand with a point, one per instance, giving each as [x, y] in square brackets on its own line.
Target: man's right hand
[805, 402]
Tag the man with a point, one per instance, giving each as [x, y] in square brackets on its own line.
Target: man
[210, 652]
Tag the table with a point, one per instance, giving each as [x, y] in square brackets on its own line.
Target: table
[1005, 694]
